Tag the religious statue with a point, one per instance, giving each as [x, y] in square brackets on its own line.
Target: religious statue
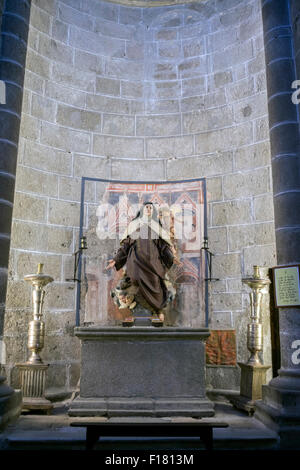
[147, 250]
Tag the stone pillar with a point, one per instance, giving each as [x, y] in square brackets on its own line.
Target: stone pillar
[1, 11]
[13, 45]
[295, 23]
[280, 406]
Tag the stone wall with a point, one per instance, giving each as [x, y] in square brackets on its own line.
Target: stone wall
[14, 25]
[139, 94]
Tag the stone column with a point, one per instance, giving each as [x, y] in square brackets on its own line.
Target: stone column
[1, 11]
[295, 23]
[13, 46]
[280, 406]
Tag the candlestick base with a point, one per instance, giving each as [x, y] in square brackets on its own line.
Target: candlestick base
[33, 379]
[253, 377]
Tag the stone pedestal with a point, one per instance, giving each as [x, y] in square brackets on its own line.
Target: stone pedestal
[280, 408]
[10, 403]
[33, 380]
[253, 377]
[142, 316]
[142, 371]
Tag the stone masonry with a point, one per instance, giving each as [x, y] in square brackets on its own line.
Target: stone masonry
[139, 93]
[14, 25]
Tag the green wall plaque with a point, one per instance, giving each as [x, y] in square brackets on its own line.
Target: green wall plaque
[287, 286]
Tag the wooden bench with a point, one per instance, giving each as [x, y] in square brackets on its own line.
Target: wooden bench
[201, 429]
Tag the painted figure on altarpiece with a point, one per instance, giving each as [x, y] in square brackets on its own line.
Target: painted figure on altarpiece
[147, 252]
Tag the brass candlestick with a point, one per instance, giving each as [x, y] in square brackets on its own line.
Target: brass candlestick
[253, 373]
[36, 332]
[33, 372]
[254, 329]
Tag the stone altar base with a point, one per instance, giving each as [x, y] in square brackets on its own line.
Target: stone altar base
[142, 371]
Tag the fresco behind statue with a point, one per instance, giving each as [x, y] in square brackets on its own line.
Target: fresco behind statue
[181, 211]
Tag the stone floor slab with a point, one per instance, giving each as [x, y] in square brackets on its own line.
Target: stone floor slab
[41, 432]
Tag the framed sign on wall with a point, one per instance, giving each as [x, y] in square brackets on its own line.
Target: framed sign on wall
[287, 285]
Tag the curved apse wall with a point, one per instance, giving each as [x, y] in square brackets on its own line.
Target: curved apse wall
[138, 93]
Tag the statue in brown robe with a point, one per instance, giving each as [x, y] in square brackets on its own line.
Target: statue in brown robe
[147, 251]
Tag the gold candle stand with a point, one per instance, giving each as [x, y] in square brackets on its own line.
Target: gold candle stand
[33, 372]
[253, 373]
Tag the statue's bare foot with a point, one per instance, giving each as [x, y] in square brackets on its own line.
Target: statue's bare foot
[158, 319]
[161, 316]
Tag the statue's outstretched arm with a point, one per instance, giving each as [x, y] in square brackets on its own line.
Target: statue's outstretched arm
[121, 257]
[166, 253]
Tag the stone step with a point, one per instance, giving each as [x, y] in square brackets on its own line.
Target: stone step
[37, 431]
[67, 438]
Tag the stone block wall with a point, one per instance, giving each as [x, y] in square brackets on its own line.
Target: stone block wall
[139, 93]
[14, 25]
